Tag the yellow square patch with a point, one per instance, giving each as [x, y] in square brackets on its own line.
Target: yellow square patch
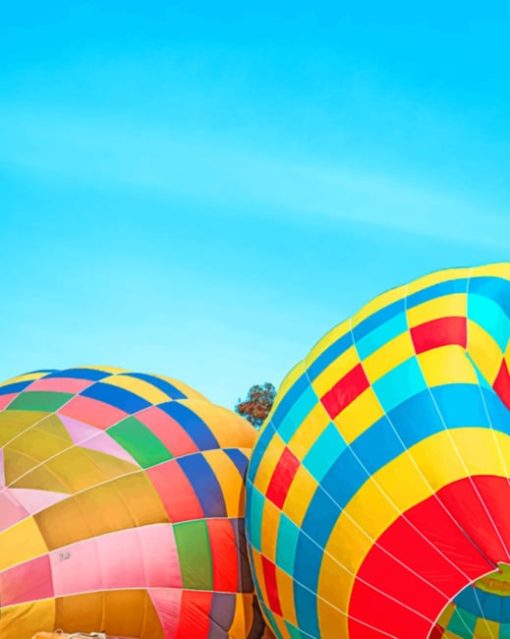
[270, 523]
[325, 342]
[309, 431]
[436, 278]
[484, 350]
[285, 585]
[336, 371]
[380, 302]
[446, 365]
[388, 357]
[272, 456]
[364, 411]
[139, 387]
[300, 495]
[453, 305]
[486, 629]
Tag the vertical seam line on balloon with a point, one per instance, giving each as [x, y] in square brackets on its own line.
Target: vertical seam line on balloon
[406, 451]
[350, 518]
[454, 445]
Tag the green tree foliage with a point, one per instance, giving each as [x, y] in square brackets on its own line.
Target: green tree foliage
[258, 403]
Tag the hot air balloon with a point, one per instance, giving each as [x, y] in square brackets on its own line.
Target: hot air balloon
[121, 509]
[378, 494]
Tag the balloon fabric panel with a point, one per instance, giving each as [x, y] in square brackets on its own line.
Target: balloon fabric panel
[122, 508]
[377, 491]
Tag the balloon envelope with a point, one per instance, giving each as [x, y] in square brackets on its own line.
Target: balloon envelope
[378, 491]
[121, 508]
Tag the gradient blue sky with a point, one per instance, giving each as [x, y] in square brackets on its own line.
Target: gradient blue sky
[203, 189]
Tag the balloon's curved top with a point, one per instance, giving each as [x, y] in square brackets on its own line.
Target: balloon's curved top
[121, 508]
[378, 489]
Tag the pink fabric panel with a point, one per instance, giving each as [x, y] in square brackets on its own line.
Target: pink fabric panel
[166, 429]
[161, 557]
[95, 413]
[93, 438]
[2, 469]
[26, 582]
[36, 500]
[5, 400]
[168, 606]
[11, 510]
[18, 503]
[60, 384]
[135, 558]
[78, 430]
[103, 443]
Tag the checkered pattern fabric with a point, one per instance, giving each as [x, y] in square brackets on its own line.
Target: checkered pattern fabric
[378, 488]
[122, 508]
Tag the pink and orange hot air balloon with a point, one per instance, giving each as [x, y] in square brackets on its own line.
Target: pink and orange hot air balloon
[121, 508]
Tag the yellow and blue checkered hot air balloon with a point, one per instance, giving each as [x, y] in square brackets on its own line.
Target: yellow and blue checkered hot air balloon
[378, 492]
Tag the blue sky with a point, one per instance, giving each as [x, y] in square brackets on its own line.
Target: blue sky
[203, 189]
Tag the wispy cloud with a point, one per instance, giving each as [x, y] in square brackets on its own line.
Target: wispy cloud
[167, 163]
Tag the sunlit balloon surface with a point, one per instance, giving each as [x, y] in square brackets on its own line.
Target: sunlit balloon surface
[378, 491]
[121, 508]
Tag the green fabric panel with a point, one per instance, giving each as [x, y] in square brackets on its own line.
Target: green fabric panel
[274, 626]
[39, 400]
[286, 545]
[138, 440]
[293, 631]
[504, 631]
[193, 546]
[462, 623]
